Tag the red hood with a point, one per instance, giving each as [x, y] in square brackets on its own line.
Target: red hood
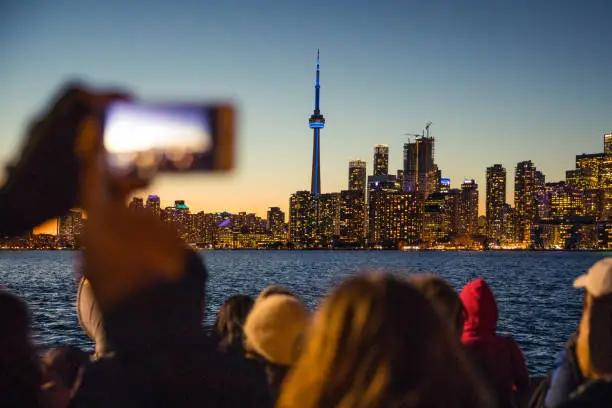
[479, 302]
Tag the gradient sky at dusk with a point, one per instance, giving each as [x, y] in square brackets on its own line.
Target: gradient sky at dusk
[502, 81]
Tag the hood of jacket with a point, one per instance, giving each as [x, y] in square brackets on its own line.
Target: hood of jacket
[481, 309]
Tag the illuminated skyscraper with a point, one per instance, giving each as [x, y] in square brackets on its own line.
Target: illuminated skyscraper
[136, 204]
[468, 215]
[608, 143]
[452, 208]
[400, 177]
[564, 200]
[394, 218]
[70, 225]
[496, 199]
[420, 172]
[445, 185]
[316, 123]
[436, 221]
[352, 217]
[381, 160]
[302, 222]
[153, 205]
[527, 183]
[328, 226]
[181, 219]
[605, 180]
[276, 222]
[357, 176]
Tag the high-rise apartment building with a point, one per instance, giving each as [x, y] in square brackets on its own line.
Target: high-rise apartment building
[528, 182]
[70, 225]
[154, 205]
[608, 143]
[468, 216]
[393, 217]
[496, 200]
[302, 219]
[181, 219]
[381, 160]
[328, 210]
[352, 217]
[276, 222]
[357, 176]
[420, 172]
[453, 211]
[400, 177]
[436, 221]
[136, 205]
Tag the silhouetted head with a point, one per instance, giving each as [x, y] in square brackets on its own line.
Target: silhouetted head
[273, 334]
[444, 298]
[229, 325]
[376, 341]
[20, 376]
[594, 344]
[62, 368]
[481, 309]
[274, 290]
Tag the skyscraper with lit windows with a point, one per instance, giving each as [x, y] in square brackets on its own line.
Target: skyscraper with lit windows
[357, 176]
[420, 172]
[528, 181]
[608, 143]
[276, 222]
[70, 225]
[352, 217]
[302, 221]
[381, 160]
[154, 205]
[468, 214]
[136, 205]
[496, 199]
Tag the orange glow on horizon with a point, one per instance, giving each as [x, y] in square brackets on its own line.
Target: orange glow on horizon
[47, 227]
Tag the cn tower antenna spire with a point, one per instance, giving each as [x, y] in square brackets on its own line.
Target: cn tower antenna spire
[316, 123]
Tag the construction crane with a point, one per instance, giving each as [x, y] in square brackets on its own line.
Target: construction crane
[427, 126]
[415, 135]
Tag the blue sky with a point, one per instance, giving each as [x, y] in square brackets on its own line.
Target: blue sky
[502, 81]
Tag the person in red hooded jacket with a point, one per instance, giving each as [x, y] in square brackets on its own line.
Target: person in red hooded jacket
[499, 358]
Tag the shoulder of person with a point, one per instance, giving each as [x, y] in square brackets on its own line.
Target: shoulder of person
[596, 393]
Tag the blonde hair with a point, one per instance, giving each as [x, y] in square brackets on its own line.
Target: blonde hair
[376, 341]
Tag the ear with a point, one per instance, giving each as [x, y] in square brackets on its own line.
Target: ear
[600, 334]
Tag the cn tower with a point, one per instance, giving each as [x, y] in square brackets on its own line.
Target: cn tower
[316, 123]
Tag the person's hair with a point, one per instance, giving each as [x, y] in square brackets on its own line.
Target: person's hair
[64, 363]
[444, 298]
[230, 322]
[274, 290]
[377, 342]
[20, 376]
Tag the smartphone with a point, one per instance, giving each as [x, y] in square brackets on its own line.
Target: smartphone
[145, 138]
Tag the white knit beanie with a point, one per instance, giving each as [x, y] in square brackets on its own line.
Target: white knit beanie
[274, 328]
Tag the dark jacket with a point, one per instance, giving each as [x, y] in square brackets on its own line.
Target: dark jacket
[499, 359]
[593, 394]
[566, 378]
[163, 358]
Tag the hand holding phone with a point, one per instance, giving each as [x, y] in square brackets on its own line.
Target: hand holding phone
[144, 138]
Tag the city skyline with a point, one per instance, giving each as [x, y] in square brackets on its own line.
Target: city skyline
[497, 82]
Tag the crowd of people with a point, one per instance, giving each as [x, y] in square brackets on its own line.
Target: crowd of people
[376, 340]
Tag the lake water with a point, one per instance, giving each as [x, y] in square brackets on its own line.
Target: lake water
[537, 303]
